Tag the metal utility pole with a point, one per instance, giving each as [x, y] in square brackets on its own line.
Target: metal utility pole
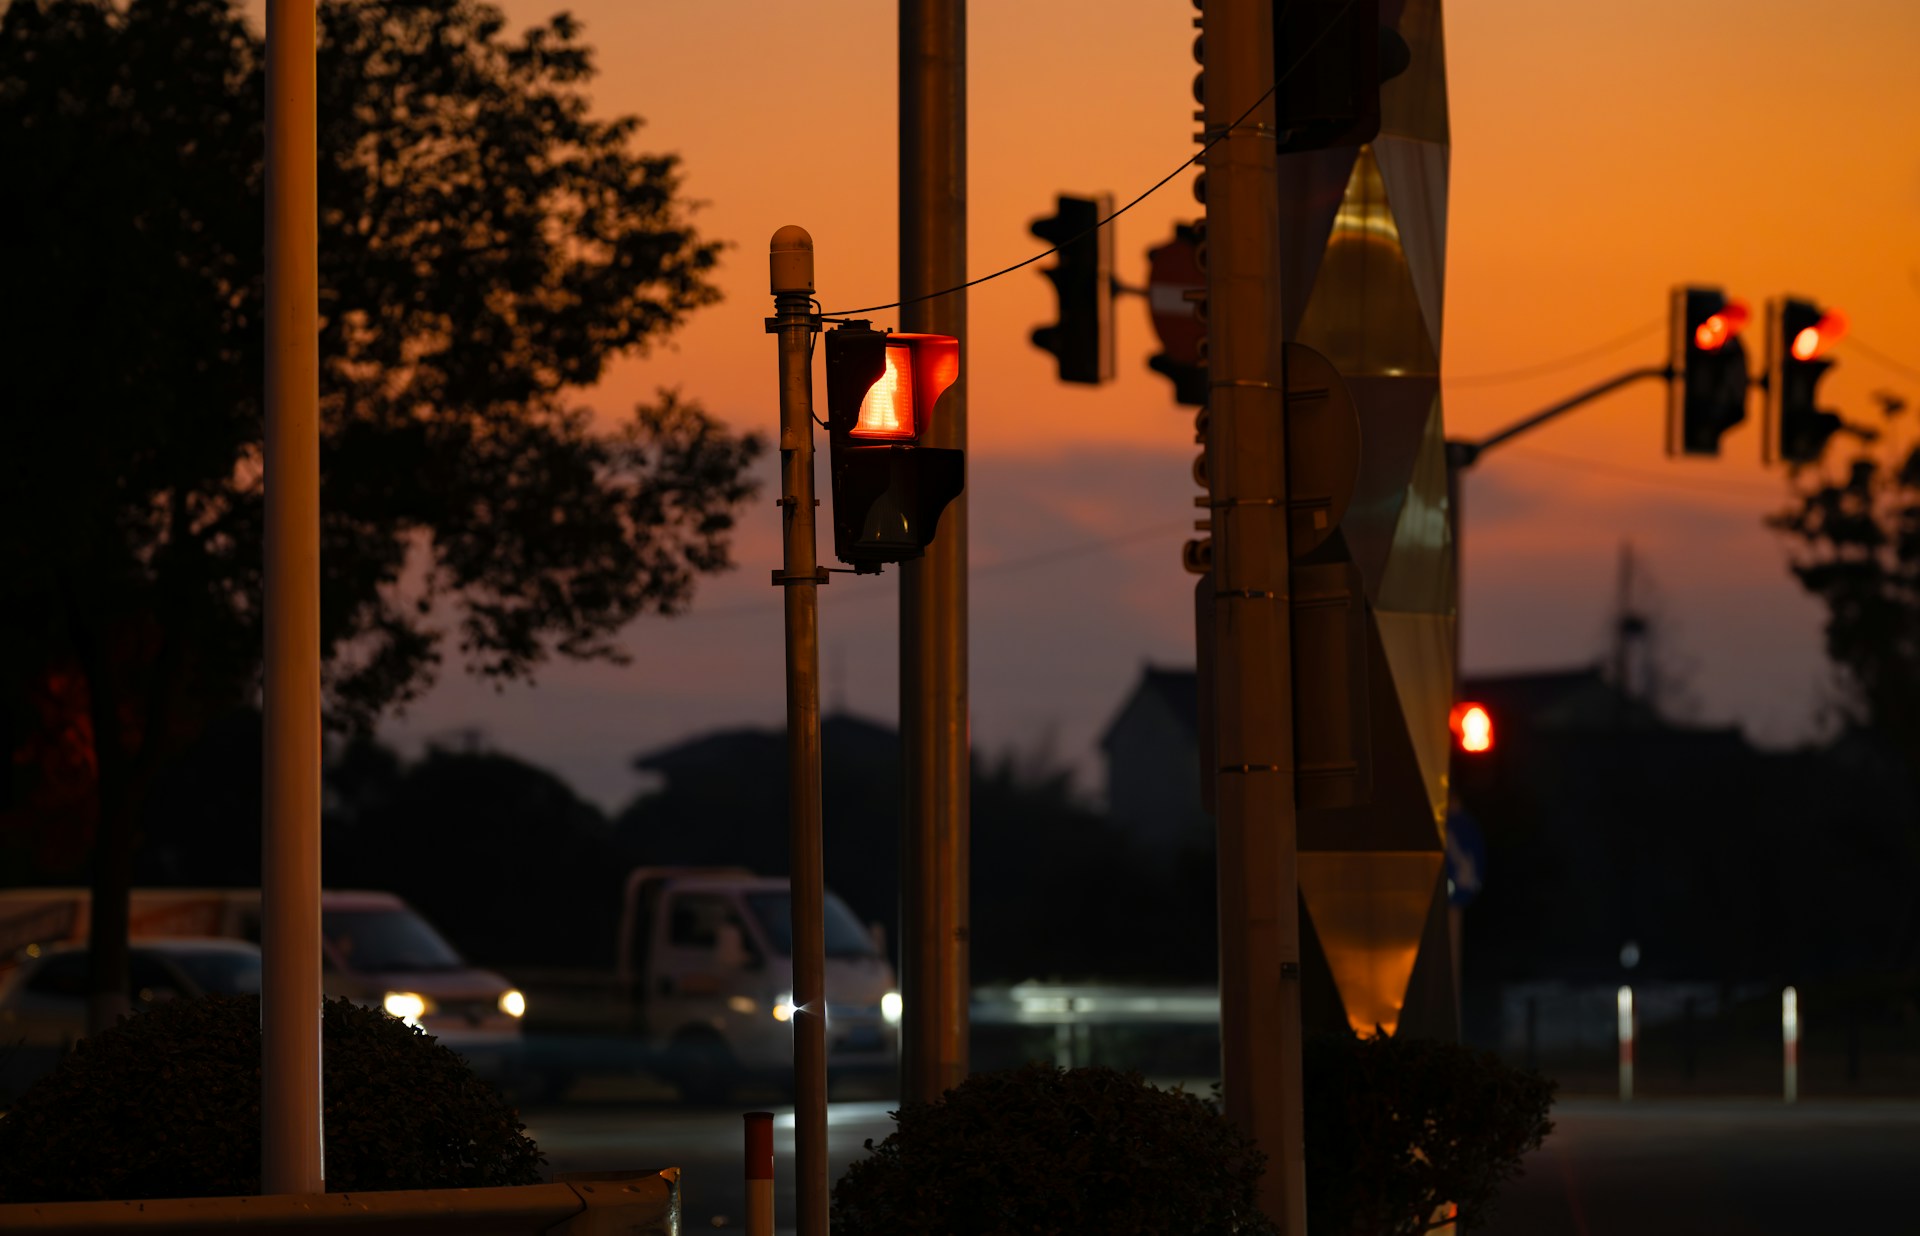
[934, 963]
[1252, 690]
[791, 262]
[291, 1139]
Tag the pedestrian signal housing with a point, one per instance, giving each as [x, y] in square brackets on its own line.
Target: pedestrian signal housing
[1799, 332]
[883, 402]
[1708, 392]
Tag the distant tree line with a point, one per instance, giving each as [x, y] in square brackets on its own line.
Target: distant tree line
[518, 869]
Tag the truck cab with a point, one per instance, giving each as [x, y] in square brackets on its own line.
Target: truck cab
[707, 956]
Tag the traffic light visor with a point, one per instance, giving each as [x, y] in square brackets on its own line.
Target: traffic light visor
[1472, 727]
[1713, 333]
[886, 412]
[1809, 342]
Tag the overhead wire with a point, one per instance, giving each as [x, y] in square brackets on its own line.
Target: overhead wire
[1554, 366]
[1195, 157]
[1629, 473]
[1882, 359]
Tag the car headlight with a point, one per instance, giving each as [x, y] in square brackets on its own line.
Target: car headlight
[408, 1006]
[512, 1003]
[783, 1008]
[891, 1006]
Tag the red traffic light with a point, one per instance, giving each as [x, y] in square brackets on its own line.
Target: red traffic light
[883, 388]
[887, 409]
[1472, 727]
[1812, 340]
[1713, 333]
[889, 486]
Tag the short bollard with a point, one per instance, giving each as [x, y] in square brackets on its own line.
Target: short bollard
[1790, 1045]
[759, 1173]
[1624, 1002]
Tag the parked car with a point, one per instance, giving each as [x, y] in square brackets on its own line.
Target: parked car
[375, 950]
[43, 1001]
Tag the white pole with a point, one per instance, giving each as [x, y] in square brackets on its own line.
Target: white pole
[759, 1128]
[1790, 1044]
[1625, 1001]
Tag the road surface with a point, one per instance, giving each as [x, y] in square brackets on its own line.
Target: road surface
[1728, 1167]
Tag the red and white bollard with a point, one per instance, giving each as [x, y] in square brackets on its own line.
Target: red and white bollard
[1790, 1044]
[759, 1173]
[1625, 1001]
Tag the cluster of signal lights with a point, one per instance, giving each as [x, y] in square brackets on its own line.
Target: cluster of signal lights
[1808, 342]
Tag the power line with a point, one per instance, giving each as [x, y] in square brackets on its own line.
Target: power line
[1883, 360]
[1157, 186]
[1645, 477]
[1552, 366]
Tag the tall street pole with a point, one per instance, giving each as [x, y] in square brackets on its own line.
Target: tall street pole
[791, 264]
[934, 879]
[1252, 692]
[291, 1139]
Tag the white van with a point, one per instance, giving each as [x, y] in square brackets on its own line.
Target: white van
[703, 987]
[375, 950]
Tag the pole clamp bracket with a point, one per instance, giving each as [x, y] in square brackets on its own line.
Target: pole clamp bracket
[782, 579]
[1246, 594]
[1251, 768]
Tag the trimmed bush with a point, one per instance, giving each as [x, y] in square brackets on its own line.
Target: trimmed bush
[1047, 1150]
[167, 1104]
[1397, 1128]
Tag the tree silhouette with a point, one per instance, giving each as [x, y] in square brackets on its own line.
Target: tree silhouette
[1857, 550]
[485, 247]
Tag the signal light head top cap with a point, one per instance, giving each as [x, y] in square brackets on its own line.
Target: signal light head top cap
[790, 256]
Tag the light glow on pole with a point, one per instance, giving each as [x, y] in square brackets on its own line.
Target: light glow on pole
[1790, 1044]
[1625, 1002]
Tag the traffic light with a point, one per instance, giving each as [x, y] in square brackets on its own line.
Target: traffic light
[883, 395]
[1082, 273]
[1708, 392]
[1798, 331]
[1329, 58]
[1472, 727]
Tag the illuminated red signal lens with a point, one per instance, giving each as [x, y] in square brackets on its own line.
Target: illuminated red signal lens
[1810, 342]
[1713, 333]
[1472, 727]
[887, 410]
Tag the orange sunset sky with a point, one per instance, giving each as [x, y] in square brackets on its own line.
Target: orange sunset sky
[1601, 154]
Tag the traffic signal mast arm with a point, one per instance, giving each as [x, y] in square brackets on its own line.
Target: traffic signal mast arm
[1465, 454]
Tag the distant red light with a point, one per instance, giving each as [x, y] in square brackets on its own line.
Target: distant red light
[1810, 342]
[1472, 727]
[1711, 334]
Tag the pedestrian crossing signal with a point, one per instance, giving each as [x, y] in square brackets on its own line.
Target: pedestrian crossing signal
[883, 408]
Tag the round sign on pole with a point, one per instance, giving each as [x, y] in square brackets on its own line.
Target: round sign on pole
[1176, 285]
